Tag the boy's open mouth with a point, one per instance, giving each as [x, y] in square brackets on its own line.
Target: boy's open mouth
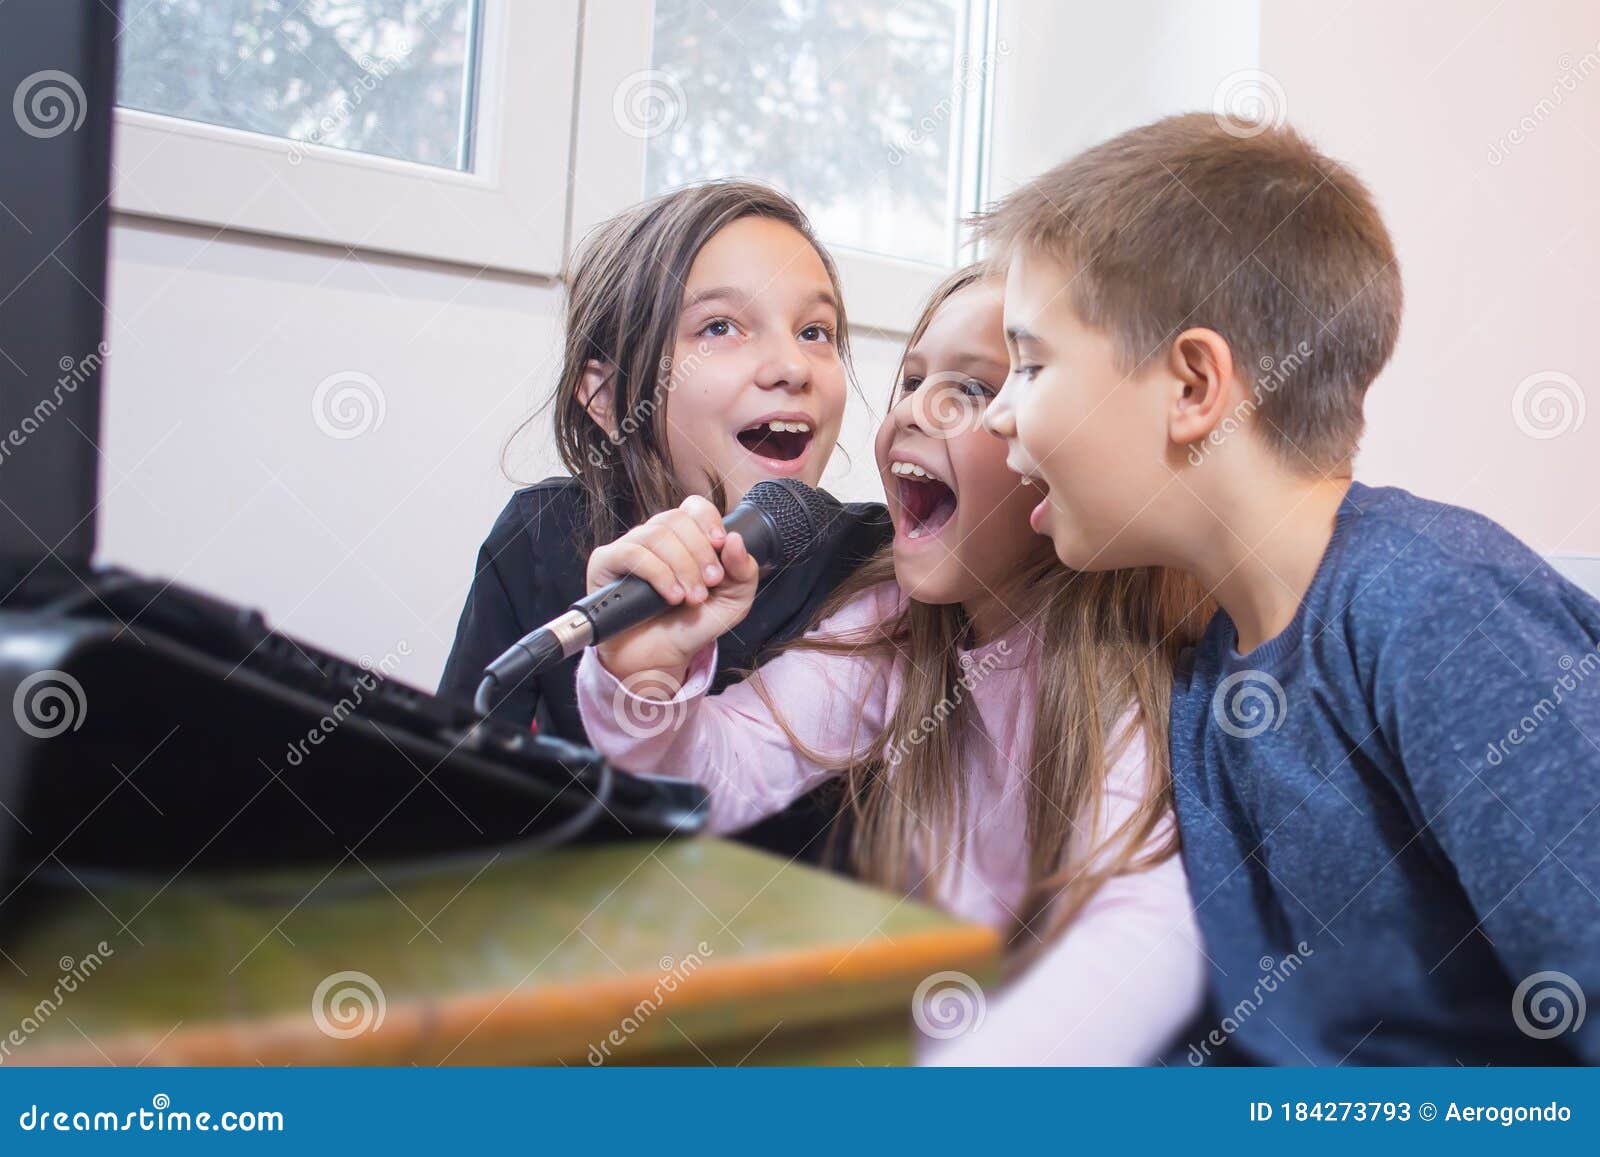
[777, 439]
[928, 502]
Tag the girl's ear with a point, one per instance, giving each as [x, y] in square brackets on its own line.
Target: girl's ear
[594, 394]
[1202, 362]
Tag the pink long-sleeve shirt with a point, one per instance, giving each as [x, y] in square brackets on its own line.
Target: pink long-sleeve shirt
[1113, 989]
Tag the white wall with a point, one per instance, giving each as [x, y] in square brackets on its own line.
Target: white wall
[216, 472]
[1499, 258]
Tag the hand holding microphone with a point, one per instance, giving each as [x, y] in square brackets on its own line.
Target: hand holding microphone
[660, 570]
[701, 569]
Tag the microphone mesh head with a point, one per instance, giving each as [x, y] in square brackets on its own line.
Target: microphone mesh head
[798, 512]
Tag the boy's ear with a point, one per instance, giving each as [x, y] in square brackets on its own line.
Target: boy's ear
[594, 394]
[1202, 362]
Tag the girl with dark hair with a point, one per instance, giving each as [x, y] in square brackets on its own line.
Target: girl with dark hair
[705, 349]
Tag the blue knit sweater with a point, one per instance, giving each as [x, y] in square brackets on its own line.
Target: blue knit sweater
[1391, 810]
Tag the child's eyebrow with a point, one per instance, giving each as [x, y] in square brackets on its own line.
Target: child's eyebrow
[715, 293]
[1015, 333]
[742, 297]
[972, 363]
[824, 297]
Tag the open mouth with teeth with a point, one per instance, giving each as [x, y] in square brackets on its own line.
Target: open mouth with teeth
[781, 441]
[928, 502]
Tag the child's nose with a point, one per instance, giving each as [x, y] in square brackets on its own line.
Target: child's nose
[997, 416]
[784, 367]
[905, 409]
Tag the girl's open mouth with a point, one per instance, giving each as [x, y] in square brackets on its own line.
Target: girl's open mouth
[1036, 518]
[776, 439]
[928, 502]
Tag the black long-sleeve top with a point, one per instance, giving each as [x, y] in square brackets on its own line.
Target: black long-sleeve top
[532, 567]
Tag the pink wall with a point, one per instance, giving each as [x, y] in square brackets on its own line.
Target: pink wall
[1498, 238]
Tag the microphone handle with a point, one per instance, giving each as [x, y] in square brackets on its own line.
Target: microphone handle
[619, 605]
[612, 609]
[630, 600]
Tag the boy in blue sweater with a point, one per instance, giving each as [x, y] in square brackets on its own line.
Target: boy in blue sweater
[1386, 747]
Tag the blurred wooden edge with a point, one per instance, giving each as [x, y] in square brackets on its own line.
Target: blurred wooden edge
[573, 1023]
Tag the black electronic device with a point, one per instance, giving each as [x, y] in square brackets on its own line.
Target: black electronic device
[154, 729]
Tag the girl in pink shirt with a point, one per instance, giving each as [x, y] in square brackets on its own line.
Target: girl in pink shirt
[998, 722]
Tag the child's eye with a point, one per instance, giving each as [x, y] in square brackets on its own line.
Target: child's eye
[1026, 373]
[910, 384]
[817, 332]
[716, 327]
[973, 388]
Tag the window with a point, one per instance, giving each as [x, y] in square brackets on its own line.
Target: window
[873, 114]
[437, 128]
[495, 132]
[392, 78]
[860, 111]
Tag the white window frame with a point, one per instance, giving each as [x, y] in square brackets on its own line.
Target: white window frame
[550, 161]
[883, 293]
[508, 213]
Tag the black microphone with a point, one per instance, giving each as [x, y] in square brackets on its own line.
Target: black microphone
[778, 518]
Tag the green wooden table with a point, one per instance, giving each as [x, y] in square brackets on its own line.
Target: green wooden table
[689, 952]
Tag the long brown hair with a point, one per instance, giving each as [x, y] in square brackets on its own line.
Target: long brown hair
[1102, 643]
[624, 294]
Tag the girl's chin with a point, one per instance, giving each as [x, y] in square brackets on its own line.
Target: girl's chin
[922, 577]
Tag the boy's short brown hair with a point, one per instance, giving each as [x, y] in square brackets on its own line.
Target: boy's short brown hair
[1192, 222]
